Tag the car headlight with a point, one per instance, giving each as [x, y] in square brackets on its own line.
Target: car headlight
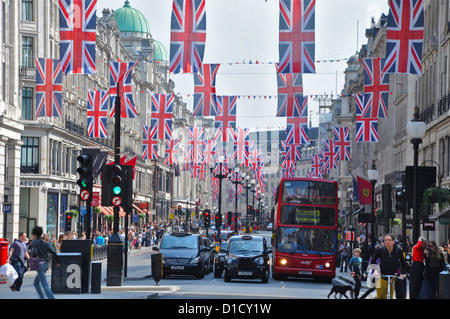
[259, 261]
[230, 261]
[221, 259]
[195, 260]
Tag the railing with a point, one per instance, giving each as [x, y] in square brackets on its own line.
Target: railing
[444, 105]
[427, 115]
[99, 252]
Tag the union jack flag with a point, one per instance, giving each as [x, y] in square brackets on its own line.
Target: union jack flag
[171, 151]
[209, 150]
[202, 171]
[120, 75]
[290, 95]
[194, 169]
[241, 141]
[77, 32]
[342, 143]
[195, 141]
[362, 105]
[330, 154]
[150, 143]
[297, 130]
[48, 87]
[293, 152]
[162, 114]
[97, 113]
[288, 172]
[316, 167]
[225, 123]
[376, 86]
[366, 127]
[205, 91]
[188, 36]
[297, 36]
[404, 38]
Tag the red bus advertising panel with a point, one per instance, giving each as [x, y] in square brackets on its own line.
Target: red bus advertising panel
[305, 228]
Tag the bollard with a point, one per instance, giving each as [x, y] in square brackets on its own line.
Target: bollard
[96, 277]
[157, 268]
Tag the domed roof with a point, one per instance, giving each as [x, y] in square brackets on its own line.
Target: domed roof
[160, 52]
[131, 20]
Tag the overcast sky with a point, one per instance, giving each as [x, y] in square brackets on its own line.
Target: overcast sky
[243, 30]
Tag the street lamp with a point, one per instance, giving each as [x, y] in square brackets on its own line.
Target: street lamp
[416, 131]
[236, 181]
[220, 176]
[372, 173]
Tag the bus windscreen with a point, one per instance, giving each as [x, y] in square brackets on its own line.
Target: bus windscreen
[309, 192]
[305, 240]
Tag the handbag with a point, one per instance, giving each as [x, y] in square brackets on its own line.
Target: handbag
[34, 263]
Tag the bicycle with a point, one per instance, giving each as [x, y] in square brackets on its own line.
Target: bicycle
[389, 279]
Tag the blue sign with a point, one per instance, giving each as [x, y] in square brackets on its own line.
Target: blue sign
[82, 210]
[7, 208]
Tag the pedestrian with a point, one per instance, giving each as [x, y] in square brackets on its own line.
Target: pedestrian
[41, 249]
[16, 257]
[434, 264]
[417, 268]
[355, 268]
[345, 255]
[391, 263]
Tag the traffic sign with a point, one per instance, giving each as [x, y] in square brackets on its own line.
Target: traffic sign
[116, 200]
[95, 199]
[84, 194]
[7, 208]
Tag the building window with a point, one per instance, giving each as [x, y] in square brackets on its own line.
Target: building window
[27, 52]
[27, 10]
[27, 103]
[29, 157]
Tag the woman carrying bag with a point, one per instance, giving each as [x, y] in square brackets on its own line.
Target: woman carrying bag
[434, 264]
[39, 262]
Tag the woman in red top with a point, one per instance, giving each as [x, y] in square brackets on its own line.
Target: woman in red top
[417, 267]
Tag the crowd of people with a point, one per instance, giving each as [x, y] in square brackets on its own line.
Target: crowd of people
[428, 260]
[24, 249]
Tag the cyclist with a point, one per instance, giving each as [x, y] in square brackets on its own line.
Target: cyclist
[391, 262]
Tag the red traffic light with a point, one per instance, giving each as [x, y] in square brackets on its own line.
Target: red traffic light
[206, 214]
[69, 216]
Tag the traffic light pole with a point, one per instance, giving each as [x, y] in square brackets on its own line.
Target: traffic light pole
[114, 273]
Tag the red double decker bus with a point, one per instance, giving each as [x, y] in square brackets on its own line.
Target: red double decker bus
[305, 228]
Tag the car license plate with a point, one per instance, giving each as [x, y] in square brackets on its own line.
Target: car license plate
[244, 273]
[177, 267]
[303, 272]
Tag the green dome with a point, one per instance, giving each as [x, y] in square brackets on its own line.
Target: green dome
[131, 20]
[160, 52]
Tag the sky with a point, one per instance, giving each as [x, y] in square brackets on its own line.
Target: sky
[247, 30]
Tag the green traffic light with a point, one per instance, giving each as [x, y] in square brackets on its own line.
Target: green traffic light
[117, 190]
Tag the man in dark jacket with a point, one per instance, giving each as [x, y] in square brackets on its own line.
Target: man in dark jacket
[391, 263]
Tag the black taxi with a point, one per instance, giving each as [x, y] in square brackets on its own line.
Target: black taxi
[247, 258]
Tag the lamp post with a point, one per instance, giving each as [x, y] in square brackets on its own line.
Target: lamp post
[372, 173]
[416, 131]
[236, 181]
[220, 176]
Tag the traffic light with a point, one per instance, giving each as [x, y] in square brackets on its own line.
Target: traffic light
[400, 199]
[179, 210]
[249, 210]
[86, 179]
[218, 221]
[207, 218]
[386, 190]
[68, 222]
[117, 184]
